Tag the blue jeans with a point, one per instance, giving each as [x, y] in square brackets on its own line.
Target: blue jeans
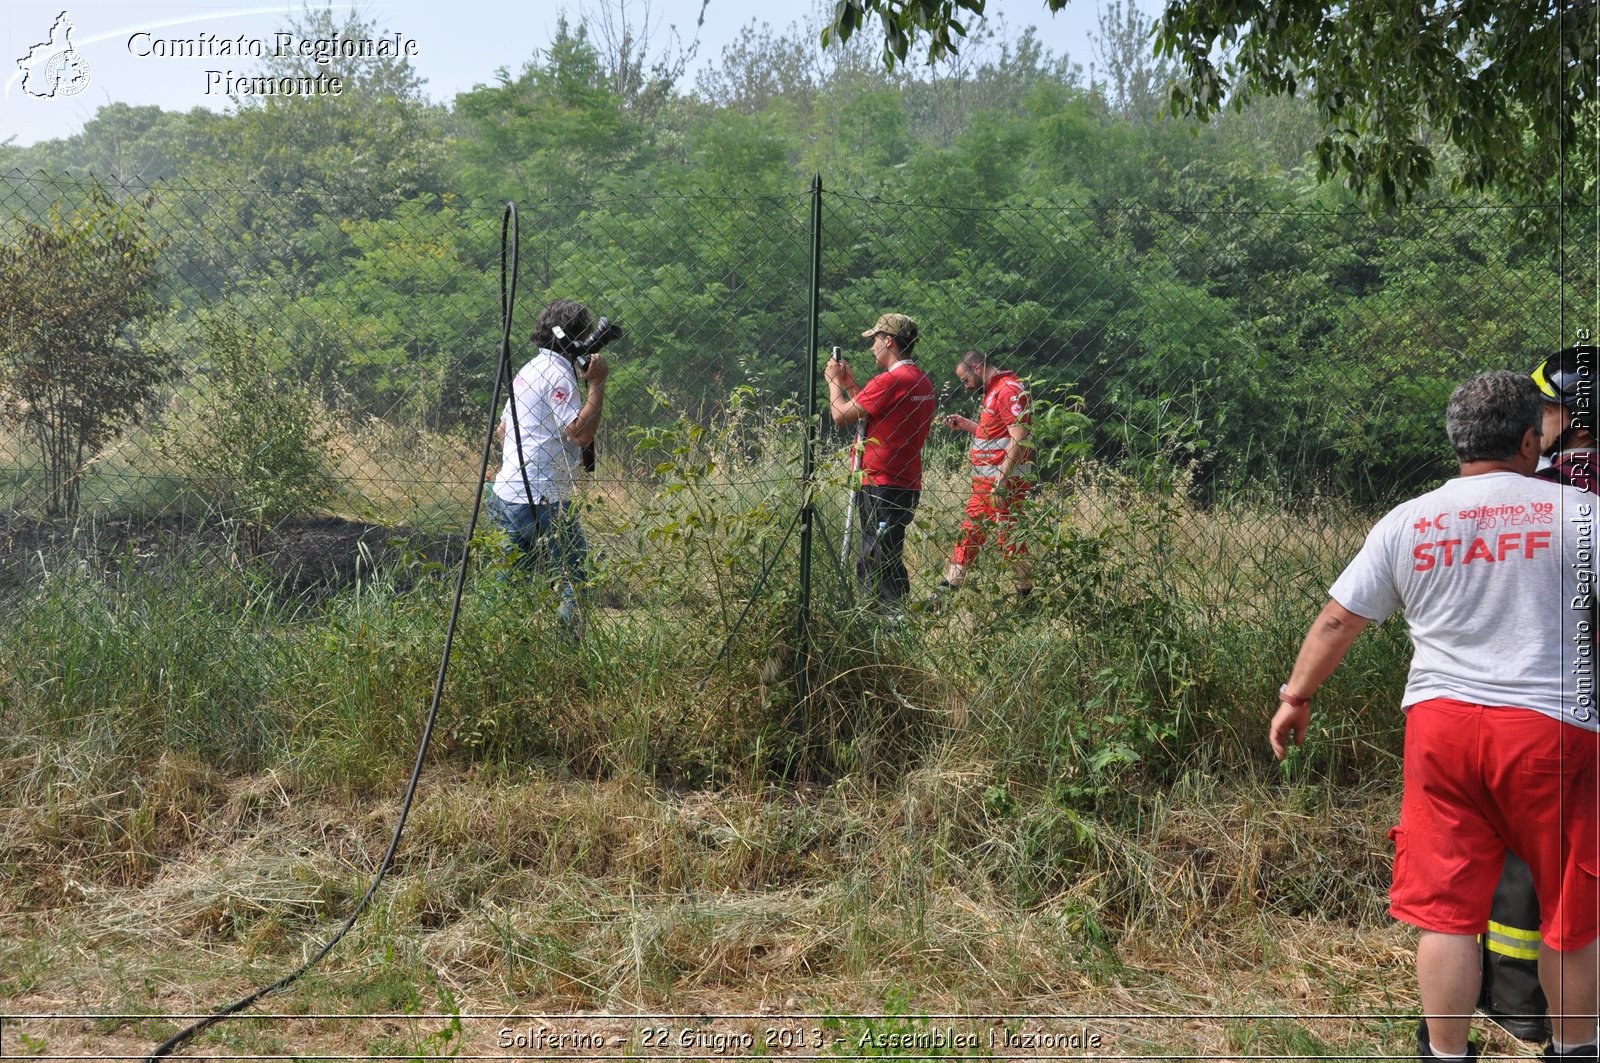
[547, 538]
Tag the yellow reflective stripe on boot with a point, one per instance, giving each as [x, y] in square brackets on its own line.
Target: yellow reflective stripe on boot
[1512, 941]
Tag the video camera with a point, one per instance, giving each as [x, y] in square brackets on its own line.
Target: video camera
[581, 350]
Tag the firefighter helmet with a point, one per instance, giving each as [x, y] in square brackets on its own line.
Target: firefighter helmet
[1568, 377]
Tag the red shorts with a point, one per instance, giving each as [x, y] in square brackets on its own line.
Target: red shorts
[1483, 779]
[985, 510]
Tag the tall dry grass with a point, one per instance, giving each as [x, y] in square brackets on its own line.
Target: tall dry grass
[1062, 804]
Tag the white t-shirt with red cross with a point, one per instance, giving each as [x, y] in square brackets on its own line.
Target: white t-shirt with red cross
[1496, 575]
[546, 394]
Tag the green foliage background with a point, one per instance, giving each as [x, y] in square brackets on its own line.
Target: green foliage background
[1214, 305]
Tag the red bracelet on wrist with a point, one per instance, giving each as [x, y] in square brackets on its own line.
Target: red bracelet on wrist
[1292, 699]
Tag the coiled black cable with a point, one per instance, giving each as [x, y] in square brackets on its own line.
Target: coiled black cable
[510, 246]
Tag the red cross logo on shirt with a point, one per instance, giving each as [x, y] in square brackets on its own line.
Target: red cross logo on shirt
[1423, 525]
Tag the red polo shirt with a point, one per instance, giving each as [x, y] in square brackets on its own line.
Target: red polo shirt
[899, 404]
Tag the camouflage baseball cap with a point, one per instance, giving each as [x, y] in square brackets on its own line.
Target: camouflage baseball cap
[899, 326]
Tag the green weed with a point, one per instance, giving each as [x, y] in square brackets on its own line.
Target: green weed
[898, 1034]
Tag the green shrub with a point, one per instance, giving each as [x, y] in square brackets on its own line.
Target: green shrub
[256, 448]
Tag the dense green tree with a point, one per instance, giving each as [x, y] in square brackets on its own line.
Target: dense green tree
[406, 329]
[552, 132]
[256, 446]
[74, 370]
[992, 74]
[268, 183]
[1511, 87]
[121, 144]
[377, 143]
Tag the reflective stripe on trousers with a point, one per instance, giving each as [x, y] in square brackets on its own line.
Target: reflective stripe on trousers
[1512, 941]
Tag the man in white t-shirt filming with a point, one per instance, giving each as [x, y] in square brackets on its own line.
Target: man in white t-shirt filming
[1495, 572]
[543, 432]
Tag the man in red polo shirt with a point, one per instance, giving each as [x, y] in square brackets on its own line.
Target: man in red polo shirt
[897, 406]
[1002, 466]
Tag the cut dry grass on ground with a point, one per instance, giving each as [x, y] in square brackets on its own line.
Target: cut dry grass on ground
[528, 894]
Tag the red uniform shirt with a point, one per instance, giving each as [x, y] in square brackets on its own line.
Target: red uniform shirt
[899, 405]
[1575, 467]
[1005, 405]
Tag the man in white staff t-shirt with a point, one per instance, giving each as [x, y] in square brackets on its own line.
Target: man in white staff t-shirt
[1495, 571]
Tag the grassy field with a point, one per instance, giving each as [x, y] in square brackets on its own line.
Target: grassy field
[988, 831]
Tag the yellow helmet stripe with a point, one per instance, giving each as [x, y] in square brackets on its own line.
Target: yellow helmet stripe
[1543, 381]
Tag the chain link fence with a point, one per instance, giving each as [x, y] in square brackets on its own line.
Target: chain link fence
[295, 388]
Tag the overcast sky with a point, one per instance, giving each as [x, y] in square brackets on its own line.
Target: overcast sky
[457, 45]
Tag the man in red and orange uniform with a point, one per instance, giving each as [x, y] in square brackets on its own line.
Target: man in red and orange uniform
[1002, 466]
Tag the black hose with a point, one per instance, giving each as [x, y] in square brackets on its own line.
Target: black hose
[505, 346]
[509, 234]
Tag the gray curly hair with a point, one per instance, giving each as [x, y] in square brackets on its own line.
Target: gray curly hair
[1489, 414]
